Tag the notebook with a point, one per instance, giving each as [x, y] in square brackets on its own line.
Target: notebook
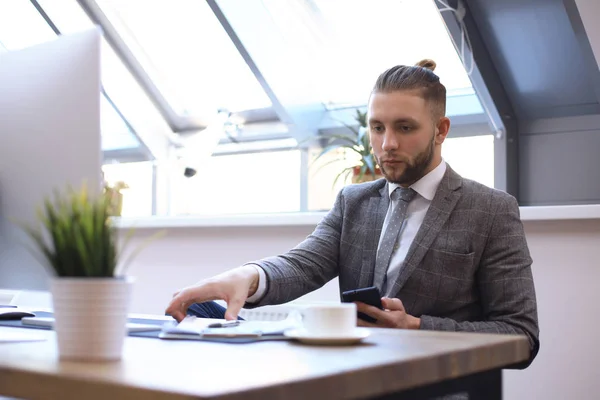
[193, 328]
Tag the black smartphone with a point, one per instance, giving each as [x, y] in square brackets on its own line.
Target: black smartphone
[369, 295]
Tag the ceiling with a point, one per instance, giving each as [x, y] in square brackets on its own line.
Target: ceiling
[544, 66]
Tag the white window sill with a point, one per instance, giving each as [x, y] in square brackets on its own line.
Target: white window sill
[542, 213]
[234, 220]
[551, 213]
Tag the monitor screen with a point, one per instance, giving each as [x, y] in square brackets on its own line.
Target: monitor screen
[49, 138]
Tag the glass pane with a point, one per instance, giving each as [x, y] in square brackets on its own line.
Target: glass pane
[187, 54]
[115, 132]
[322, 175]
[69, 17]
[240, 184]
[21, 25]
[472, 157]
[256, 146]
[354, 41]
[137, 198]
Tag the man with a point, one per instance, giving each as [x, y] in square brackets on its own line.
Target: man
[447, 253]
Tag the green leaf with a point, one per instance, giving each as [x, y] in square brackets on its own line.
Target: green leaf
[339, 141]
[47, 258]
[370, 164]
[346, 172]
[83, 255]
[97, 223]
[362, 135]
[359, 142]
[327, 150]
[82, 242]
[361, 118]
[350, 127]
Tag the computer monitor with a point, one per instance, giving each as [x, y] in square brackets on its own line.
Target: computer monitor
[49, 137]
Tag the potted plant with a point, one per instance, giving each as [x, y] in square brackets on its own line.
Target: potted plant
[90, 292]
[365, 169]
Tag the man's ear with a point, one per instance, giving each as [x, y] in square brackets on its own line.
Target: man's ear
[442, 129]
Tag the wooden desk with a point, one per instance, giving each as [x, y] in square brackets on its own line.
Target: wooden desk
[388, 362]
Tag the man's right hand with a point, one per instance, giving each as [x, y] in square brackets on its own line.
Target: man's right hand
[233, 286]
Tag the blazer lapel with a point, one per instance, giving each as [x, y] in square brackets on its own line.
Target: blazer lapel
[377, 209]
[443, 203]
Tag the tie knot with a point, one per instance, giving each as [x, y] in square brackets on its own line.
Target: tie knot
[406, 194]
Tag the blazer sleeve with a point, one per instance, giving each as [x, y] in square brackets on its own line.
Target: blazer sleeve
[306, 267]
[505, 283]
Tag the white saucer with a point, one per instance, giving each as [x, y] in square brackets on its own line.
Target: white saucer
[303, 336]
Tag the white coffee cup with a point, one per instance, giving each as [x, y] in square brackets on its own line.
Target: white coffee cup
[330, 319]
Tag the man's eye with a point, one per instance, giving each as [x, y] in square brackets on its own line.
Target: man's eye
[377, 128]
[405, 128]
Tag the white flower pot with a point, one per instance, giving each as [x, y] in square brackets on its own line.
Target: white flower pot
[90, 317]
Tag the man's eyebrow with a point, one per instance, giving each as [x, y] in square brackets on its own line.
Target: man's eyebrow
[396, 121]
[406, 119]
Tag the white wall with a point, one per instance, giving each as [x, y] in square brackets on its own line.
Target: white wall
[566, 272]
[186, 255]
[567, 275]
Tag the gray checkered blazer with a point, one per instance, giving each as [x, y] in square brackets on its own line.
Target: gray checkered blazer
[468, 268]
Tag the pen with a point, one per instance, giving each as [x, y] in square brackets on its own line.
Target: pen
[224, 324]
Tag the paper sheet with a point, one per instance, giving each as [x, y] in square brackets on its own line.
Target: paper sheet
[200, 326]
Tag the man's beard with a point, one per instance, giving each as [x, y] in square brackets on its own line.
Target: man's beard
[415, 169]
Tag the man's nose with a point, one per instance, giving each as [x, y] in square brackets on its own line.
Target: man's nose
[390, 142]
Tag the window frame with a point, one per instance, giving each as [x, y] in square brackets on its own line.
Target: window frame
[310, 121]
[177, 123]
[138, 153]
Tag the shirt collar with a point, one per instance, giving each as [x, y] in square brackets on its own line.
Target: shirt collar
[427, 185]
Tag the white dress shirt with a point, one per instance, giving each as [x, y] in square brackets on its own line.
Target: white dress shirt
[415, 213]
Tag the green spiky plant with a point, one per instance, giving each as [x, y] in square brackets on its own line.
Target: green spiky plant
[358, 142]
[82, 241]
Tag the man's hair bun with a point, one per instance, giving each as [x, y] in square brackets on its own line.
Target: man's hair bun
[427, 63]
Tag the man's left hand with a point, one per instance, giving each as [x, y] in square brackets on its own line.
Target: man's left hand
[392, 316]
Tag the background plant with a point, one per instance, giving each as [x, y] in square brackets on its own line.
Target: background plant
[358, 142]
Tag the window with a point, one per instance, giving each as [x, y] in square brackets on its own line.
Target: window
[354, 41]
[184, 49]
[126, 98]
[116, 135]
[319, 59]
[241, 183]
[139, 177]
[323, 181]
[21, 25]
[472, 157]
